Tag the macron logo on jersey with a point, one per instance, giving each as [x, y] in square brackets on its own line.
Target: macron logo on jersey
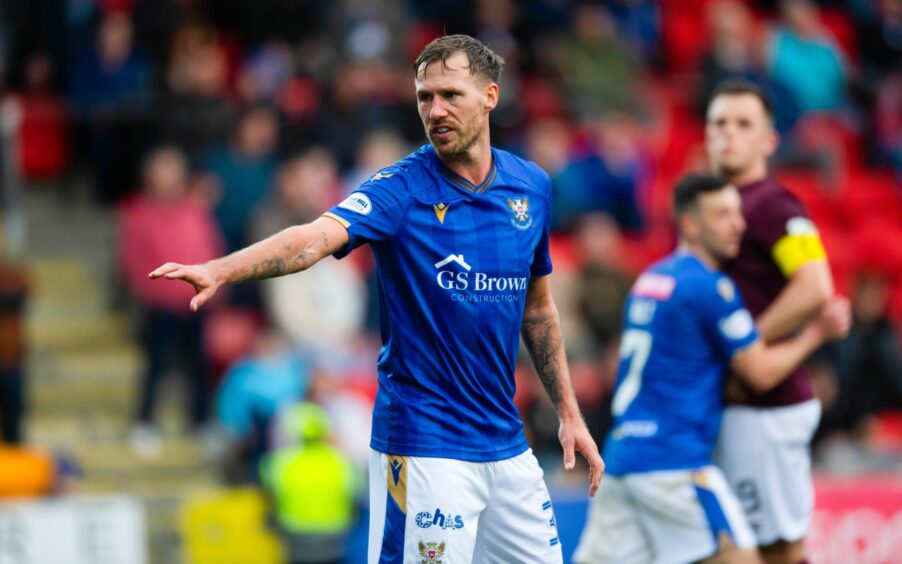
[655, 286]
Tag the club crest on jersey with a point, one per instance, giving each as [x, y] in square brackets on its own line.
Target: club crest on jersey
[726, 290]
[520, 209]
[431, 552]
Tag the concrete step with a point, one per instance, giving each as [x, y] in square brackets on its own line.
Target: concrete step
[64, 334]
[107, 362]
[113, 398]
[177, 455]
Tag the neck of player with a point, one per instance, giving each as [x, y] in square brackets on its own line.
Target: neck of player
[701, 252]
[750, 175]
[476, 162]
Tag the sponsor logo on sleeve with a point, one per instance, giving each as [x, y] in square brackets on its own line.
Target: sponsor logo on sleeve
[801, 226]
[382, 174]
[358, 202]
[737, 325]
[655, 286]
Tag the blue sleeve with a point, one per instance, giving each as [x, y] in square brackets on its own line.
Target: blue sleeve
[541, 260]
[373, 212]
[727, 322]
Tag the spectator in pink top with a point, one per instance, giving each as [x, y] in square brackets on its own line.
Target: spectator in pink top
[163, 220]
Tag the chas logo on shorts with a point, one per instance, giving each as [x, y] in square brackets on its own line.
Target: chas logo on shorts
[439, 520]
[737, 325]
[357, 202]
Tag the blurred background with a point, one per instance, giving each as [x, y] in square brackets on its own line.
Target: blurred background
[135, 132]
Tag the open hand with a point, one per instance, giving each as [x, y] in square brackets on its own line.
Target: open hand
[198, 275]
[575, 438]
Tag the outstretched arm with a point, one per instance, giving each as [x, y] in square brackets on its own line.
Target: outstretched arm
[542, 334]
[290, 250]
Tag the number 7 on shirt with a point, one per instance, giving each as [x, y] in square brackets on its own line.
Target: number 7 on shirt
[635, 346]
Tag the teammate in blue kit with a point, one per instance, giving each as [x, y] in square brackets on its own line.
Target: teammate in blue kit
[685, 323]
[460, 234]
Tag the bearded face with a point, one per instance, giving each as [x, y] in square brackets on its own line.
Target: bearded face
[453, 105]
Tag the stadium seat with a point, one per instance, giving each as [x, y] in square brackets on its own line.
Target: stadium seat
[842, 30]
[888, 432]
[228, 527]
[24, 472]
[43, 144]
[684, 33]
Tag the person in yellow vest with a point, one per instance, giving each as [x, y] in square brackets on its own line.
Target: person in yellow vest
[312, 486]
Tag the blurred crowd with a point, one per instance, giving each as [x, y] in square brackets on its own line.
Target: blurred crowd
[212, 124]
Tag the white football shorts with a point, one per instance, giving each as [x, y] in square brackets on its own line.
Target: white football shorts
[439, 510]
[668, 517]
[765, 454]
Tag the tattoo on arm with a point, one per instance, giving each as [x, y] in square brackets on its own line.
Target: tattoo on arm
[269, 268]
[542, 336]
[287, 258]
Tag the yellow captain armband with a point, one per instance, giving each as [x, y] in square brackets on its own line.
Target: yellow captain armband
[799, 246]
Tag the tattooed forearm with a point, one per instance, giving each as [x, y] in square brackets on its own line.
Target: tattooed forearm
[272, 257]
[269, 268]
[542, 336]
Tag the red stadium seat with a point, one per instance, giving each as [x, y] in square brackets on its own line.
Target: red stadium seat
[895, 304]
[888, 432]
[684, 32]
[842, 29]
[43, 141]
[563, 253]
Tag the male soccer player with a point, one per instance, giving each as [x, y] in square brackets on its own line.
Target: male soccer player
[460, 234]
[782, 273]
[663, 501]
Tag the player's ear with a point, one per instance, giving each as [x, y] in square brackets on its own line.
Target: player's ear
[490, 98]
[687, 224]
[772, 142]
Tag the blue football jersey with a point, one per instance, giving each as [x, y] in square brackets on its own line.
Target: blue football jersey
[453, 262]
[683, 324]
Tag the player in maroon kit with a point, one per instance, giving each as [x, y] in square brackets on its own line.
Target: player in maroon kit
[784, 278]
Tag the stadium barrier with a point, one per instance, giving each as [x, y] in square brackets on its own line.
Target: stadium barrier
[73, 530]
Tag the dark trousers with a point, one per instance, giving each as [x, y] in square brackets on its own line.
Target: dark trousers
[167, 335]
[12, 405]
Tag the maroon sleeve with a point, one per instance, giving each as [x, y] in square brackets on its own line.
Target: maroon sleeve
[768, 222]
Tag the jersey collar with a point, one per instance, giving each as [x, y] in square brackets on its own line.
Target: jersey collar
[465, 184]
